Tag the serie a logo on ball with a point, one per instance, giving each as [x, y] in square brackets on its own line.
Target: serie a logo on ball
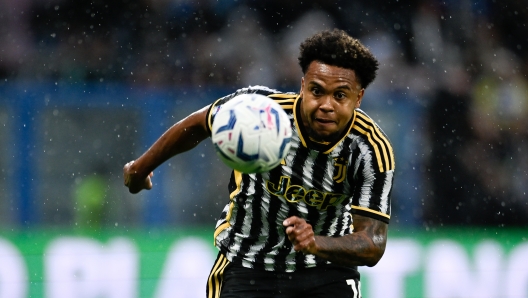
[251, 133]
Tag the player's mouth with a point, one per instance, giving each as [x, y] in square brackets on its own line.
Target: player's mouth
[324, 121]
[323, 129]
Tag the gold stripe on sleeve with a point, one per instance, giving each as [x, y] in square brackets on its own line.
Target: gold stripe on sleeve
[226, 224]
[282, 95]
[210, 115]
[375, 136]
[371, 211]
[381, 137]
[376, 149]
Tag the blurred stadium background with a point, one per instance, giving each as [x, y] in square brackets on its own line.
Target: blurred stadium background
[86, 86]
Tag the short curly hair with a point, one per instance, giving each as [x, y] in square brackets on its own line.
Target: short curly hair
[339, 49]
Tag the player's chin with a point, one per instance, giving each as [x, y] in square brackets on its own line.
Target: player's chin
[323, 135]
[325, 128]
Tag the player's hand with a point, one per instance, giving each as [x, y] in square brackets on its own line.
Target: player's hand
[135, 182]
[301, 234]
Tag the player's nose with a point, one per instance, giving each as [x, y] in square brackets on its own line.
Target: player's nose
[326, 103]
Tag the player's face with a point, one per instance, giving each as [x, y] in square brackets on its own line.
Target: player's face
[329, 96]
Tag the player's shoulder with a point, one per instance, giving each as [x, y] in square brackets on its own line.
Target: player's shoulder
[365, 125]
[284, 99]
[365, 130]
[259, 89]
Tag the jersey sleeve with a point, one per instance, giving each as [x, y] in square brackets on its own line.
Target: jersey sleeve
[372, 195]
[373, 172]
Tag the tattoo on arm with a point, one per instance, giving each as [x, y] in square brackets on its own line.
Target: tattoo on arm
[363, 247]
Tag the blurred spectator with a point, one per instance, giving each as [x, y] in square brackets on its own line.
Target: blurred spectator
[241, 53]
[495, 156]
[394, 73]
[288, 48]
[454, 196]
[15, 35]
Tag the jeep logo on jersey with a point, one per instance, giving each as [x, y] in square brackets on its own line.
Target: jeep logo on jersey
[296, 193]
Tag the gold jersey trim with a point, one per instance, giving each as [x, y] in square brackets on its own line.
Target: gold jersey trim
[371, 211]
[345, 135]
[296, 122]
[282, 95]
[226, 224]
[378, 141]
[210, 115]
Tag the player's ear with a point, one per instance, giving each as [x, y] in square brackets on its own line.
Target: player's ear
[302, 87]
[359, 98]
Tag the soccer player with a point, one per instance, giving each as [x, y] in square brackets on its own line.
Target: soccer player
[301, 229]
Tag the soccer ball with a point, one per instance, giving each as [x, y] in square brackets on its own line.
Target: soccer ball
[251, 133]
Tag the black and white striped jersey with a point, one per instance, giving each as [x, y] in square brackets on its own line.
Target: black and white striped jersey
[323, 183]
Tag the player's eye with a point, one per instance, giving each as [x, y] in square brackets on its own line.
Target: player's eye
[340, 95]
[316, 91]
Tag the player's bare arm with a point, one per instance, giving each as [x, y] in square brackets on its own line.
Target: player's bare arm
[181, 137]
[364, 247]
